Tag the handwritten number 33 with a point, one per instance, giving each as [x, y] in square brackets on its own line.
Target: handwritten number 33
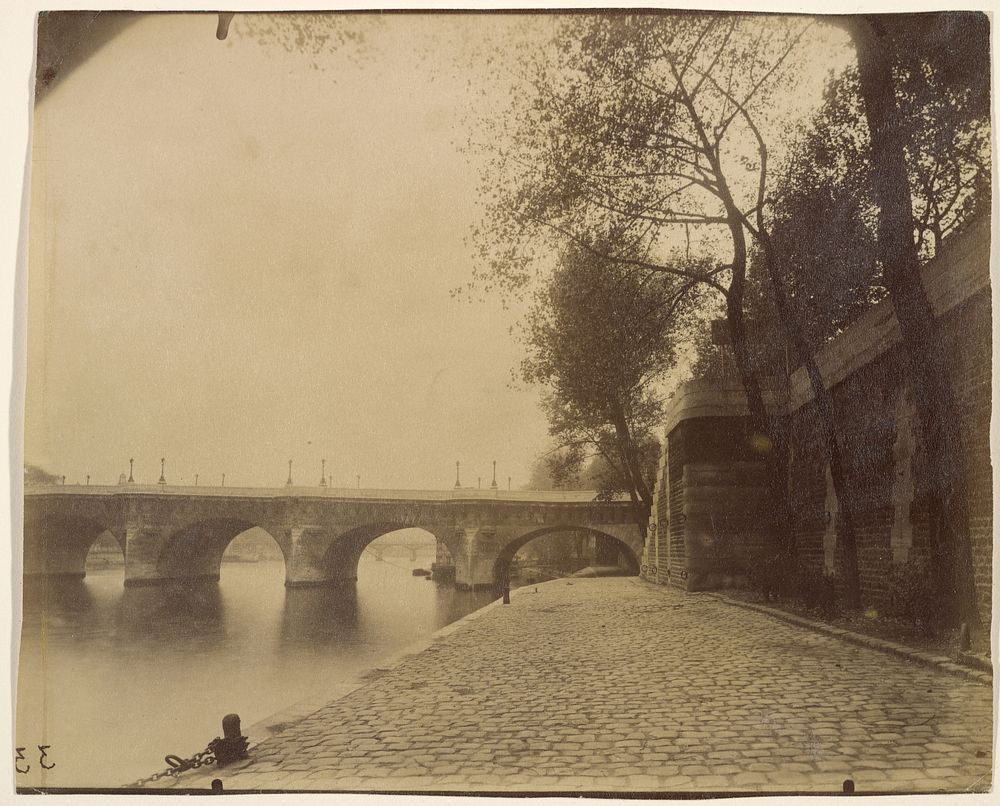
[42, 756]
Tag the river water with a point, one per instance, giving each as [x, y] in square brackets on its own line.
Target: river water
[113, 678]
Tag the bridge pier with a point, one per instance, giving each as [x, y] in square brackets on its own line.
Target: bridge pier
[55, 559]
[443, 567]
[150, 561]
[478, 576]
[58, 547]
[308, 567]
[475, 555]
[142, 552]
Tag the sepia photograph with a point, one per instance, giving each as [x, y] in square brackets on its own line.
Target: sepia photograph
[583, 402]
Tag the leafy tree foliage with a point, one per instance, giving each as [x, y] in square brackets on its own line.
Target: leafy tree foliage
[657, 126]
[823, 221]
[563, 469]
[311, 33]
[600, 337]
[641, 126]
[825, 216]
[33, 474]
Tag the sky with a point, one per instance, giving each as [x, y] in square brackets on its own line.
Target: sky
[244, 252]
[240, 255]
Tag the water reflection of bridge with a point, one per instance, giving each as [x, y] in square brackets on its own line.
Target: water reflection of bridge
[171, 534]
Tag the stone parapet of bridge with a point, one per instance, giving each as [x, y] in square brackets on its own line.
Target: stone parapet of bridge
[170, 534]
[286, 491]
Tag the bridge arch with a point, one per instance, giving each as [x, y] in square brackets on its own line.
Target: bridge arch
[58, 545]
[340, 560]
[195, 550]
[501, 566]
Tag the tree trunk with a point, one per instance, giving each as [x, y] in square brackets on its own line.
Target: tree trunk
[642, 496]
[776, 454]
[762, 422]
[824, 408]
[924, 358]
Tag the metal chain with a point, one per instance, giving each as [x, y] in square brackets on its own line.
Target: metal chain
[177, 765]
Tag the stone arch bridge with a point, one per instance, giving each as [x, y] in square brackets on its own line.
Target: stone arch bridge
[172, 534]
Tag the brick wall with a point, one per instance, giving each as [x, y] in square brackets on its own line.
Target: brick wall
[866, 410]
[864, 370]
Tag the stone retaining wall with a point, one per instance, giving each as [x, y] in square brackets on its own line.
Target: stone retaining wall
[886, 467]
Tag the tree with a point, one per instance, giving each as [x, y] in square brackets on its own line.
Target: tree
[556, 469]
[310, 34]
[825, 216]
[649, 124]
[635, 129]
[605, 477]
[33, 474]
[600, 337]
[956, 47]
[823, 220]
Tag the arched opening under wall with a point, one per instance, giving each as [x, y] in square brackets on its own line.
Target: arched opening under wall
[105, 553]
[253, 550]
[61, 547]
[105, 561]
[369, 547]
[73, 569]
[563, 551]
[411, 549]
[210, 549]
[381, 549]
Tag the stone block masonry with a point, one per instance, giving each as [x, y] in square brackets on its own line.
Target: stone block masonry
[887, 469]
[175, 534]
[706, 534]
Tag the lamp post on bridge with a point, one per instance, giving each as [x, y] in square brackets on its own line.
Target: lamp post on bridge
[130, 479]
[322, 478]
[458, 483]
[223, 479]
[289, 482]
[359, 482]
[163, 479]
[195, 479]
[88, 479]
[494, 484]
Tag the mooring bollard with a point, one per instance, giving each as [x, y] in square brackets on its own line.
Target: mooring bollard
[849, 786]
[233, 745]
[217, 785]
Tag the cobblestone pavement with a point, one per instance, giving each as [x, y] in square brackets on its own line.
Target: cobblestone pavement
[618, 685]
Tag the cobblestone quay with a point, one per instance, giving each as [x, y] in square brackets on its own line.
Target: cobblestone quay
[597, 685]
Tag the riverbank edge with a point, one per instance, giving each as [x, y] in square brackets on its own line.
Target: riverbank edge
[264, 729]
[288, 717]
[295, 713]
[940, 662]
